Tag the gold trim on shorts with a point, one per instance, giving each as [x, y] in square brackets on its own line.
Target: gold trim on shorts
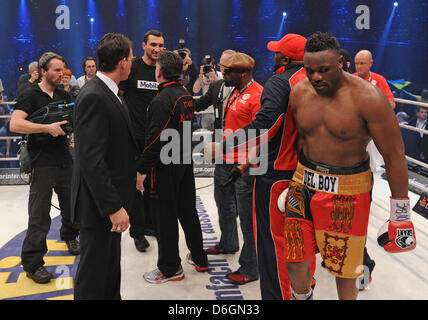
[342, 184]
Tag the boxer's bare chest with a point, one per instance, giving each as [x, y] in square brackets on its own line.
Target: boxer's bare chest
[338, 117]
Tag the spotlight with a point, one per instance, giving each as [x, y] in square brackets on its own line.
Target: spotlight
[284, 14]
[395, 4]
[92, 20]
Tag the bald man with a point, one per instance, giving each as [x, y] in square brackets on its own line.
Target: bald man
[363, 63]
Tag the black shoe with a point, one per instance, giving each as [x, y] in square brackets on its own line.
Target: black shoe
[141, 244]
[41, 275]
[73, 247]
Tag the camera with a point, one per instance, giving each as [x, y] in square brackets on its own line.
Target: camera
[206, 69]
[207, 64]
[181, 52]
[53, 112]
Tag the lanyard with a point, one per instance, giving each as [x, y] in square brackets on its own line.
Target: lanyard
[230, 103]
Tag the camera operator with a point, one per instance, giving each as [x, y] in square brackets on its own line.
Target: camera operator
[207, 75]
[51, 167]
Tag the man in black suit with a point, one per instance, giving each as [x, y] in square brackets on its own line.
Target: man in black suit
[216, 95]
[414, 141]
[104, 173]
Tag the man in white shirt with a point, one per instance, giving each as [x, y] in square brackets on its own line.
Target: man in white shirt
[104, 172]
[89, 67]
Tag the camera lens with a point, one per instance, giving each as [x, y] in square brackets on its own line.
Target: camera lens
[206, 69]
[182, 53]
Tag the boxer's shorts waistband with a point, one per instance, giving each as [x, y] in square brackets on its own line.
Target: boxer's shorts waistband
[337, 180]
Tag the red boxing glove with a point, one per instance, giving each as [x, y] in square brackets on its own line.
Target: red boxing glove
[398, 233]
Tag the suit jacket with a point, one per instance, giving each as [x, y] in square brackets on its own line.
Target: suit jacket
[413, 142]
[212, 97]
[104, 175]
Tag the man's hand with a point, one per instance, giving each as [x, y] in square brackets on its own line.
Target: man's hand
[140, 181]
[187, 60]
[34, 76]
[55, 130]
[211, 150]
[119, 220]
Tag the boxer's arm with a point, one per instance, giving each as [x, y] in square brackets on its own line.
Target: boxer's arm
[397, 234]
[383, 128]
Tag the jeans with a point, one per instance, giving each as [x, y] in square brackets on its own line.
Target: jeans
[236, 200]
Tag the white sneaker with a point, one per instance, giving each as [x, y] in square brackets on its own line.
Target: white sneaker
[157, 277]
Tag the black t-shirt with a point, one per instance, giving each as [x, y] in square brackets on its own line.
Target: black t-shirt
[50, 151]
[140, 88]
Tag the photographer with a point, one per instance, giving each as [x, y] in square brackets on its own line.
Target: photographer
[51, 167]
[29, 78]
[190, 72]
[207, 75]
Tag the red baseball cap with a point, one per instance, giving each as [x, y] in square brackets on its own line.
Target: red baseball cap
[291, 45]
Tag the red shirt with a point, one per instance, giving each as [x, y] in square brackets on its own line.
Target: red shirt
[380, 82]
[239, 111]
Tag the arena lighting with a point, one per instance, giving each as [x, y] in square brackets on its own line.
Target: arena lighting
[281, 26]
[380, 48]
[92, 20]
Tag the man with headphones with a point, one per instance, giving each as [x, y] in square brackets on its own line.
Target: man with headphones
[51, 167]
[89, 68]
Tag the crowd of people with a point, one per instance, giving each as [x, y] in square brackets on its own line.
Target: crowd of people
[314, 116]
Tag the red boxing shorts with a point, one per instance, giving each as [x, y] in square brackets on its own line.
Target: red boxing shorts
[328, 213]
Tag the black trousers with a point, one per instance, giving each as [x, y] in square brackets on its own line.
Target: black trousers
[98, 274]
[46, 179]
[174, 198]
[141, 216]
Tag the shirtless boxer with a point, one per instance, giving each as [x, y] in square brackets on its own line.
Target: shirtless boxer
[329, 199]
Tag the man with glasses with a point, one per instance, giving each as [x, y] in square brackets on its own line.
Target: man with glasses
[234, 200]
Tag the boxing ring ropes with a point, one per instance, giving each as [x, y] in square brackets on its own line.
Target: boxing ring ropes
[415, 161]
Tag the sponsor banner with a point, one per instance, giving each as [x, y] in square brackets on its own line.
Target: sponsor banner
[204, 170]
[12, 176]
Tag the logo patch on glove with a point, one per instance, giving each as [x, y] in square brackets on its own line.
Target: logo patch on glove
[405, 238]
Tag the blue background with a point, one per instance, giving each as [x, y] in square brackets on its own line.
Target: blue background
[209, 27]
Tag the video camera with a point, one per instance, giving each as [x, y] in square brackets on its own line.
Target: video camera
[181, 52]
[53, 112]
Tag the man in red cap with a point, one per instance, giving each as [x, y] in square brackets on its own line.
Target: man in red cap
[274, 116]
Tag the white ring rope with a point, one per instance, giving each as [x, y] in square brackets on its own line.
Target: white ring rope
[416, 103]
[420, 104]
